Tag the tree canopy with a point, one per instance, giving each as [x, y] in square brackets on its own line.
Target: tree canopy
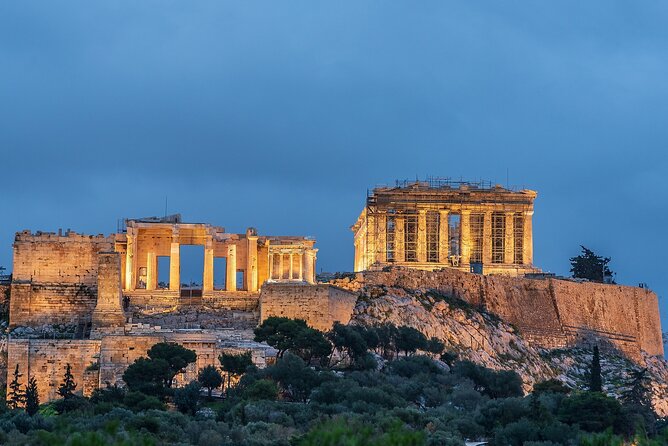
[590, 266]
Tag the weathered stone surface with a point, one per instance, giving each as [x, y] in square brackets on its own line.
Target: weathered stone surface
[108, 316]
[319, 305]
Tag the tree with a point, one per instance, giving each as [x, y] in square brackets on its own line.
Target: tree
[590, 266]
[186, 398]
[595, 380]
[295, 378]
[637, 402]
[235, 364]
[176, 356]
[311, 343]
[592, 411]
[16, 397]
[32, 396]
[147, 376]
[387, 335]
[280, 332]
[210, 378]
[410, 340]
[435, 346]
[550, 386]
[349, 340]
[66, 389]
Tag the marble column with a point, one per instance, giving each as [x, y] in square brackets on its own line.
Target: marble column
[509, 242]
[422, 236]
[151, 271]
[443, 236]
[130, 259]
[381, 238]
[175, 266]
[399, 239]
[231, 273]
[251, 262]
[465, 229]
[487, 238]
[527, 256]
[207, 279]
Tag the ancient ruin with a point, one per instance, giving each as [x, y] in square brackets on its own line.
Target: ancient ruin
[442, 223]
[98, 302]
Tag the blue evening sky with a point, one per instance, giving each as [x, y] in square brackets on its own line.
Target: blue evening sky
[280, 115]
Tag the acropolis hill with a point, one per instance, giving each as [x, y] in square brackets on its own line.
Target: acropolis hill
[98, 302]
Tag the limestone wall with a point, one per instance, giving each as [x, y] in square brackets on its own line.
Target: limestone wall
[53, 258]
[46, 361]
[319, 305]
[550, 312]
[35, 304]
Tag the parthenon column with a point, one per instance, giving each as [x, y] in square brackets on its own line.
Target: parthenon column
[251, 261]
[129, 259]
[487, 238]
[231, 273]
[528, 238]
[301, 266]
[175, 262]
[422, 236]
[207, 280]
[151, 271]
[443, 236]
[381, 238]
[399, 239]
[370, 239]
[309, 265]
[509, 242]
[465, 229]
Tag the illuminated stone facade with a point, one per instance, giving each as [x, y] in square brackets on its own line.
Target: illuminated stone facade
[439, 223]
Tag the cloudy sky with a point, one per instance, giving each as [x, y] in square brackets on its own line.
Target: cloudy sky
[280, 115]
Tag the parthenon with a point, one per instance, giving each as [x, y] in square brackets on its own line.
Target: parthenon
[440, 223]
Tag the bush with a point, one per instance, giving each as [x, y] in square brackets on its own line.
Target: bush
[186, 398]
[495, 384]
[138, 401]
[262, 389]
[591, 411]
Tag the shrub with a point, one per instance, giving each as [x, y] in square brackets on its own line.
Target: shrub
[186, 398]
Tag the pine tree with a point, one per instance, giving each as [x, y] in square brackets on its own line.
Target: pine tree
[32, 397]
[66, 389]
[595, 381]
[16, 395]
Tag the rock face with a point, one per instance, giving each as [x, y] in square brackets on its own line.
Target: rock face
[484, 338]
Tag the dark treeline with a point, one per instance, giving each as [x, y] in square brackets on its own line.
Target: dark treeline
[355, 385]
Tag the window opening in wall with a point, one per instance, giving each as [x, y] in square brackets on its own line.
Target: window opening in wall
[192, 266]
[433, 219]
[518, 236]
[476, 227]
[454, 231]
[163, 272]
[219, 273]
[410, 237]
[275, 266]
[240, 280]
[498, 237]
[391, 243]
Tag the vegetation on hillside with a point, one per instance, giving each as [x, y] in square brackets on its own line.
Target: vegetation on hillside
[355, 385]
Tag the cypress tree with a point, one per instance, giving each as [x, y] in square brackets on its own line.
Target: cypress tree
[16, 395]
[67, 387]
[595, 381]
[32, 397]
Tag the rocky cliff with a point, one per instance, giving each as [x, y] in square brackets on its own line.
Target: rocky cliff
[483, 337]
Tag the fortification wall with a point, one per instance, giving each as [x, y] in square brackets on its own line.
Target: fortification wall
[35, 304]
[46, 361]
[319, 305]
[54, 258]
[551, 312]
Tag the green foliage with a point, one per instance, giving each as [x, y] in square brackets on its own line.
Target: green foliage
[67, 387]
[147, 376]
[210, 378]
[186, 398]
[31, 396]
[262, 389]
[311, 343]
[409, 340]
[16, 397]
[434, 346]
[595, 380]
[341, 432]
[550, 386]
[495, 384]
[591, 411]
[295, 378]
[590, 266]
[176, 356]
[280, 332]
[348, 340]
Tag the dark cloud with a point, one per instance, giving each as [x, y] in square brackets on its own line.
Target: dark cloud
[280, 115]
